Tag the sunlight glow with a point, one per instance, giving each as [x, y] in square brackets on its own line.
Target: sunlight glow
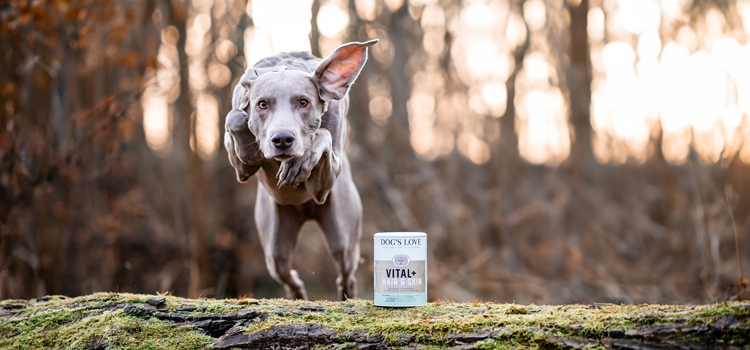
[481, 57]
[542, 127]
[163, 89]
[541, 112]
[421, 106]
[257, 45]
[674, 60]
[483, 60]
[394, 5]
[596, 24]
[671, 9]
[536, 68]
[477, 16]
[380, 109]
[156, 122]
[676, 146]
[614, 113]
[168, 72]
[332, 20]
[700, 99]
[649, 45]
[219, 74]
[715, 22]
[515, 33]
[380, 106]
[197, 74]
[638, 16]
[535, 14]
[743, 8]
[289, 32]
[691, 82]
[477, 103]
[745, 150]
[433, 23]
[198, 26]
[430, 130]
[367, 10]
[496, 96]
[207, 126]
[654, 68]
[202, 70]
[686, 37]
[225, 51]
[473, 148]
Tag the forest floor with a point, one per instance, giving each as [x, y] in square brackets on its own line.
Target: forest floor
[132, 321]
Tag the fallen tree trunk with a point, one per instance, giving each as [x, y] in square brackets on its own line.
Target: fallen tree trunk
[108, 320]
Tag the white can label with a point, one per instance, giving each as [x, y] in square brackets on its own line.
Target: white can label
[400, 269]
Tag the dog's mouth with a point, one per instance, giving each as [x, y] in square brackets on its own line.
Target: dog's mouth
[283, 157]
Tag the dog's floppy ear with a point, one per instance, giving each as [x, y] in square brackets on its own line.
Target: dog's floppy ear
[339, 70]
[241, 95]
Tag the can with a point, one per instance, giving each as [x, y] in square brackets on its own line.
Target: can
[400, 268]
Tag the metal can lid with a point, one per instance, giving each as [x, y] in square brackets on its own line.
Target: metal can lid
[400, 234]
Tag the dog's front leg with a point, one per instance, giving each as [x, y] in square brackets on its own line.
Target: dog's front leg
[241, 145]
[317, 168]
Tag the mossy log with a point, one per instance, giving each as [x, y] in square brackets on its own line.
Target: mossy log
[129, 321]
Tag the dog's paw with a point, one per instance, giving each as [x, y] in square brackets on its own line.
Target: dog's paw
[243, 141]
[297, 170]
[244, 171]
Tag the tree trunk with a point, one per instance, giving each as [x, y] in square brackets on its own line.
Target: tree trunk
[283, 324]
[579, 87]
[314, 32]
[191, 164]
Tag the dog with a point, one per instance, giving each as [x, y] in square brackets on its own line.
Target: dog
[288, 125]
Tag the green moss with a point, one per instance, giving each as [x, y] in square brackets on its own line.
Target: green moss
[48, 325]
[71, 323]
[71, 330]
[515, 310]
[494, 344]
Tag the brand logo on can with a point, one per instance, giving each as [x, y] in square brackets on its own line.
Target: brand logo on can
[401, 260]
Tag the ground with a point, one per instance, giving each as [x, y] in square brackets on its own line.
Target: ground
[132, 321]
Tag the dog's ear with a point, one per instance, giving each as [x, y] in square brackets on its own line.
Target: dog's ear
[339, 70]
[241, 95]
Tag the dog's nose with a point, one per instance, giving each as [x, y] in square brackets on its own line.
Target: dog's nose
[282, 140]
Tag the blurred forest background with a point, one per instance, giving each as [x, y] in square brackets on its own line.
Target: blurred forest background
[554, 151]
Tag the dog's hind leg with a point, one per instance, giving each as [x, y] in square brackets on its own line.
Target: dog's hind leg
[340, 219]
[278, 229]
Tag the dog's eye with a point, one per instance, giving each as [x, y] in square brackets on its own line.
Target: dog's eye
[304, 102]
[262, 105]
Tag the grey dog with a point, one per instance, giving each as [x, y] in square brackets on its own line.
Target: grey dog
[288, 124]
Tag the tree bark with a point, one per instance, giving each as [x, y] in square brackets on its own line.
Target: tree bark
[314, 32]
[579, 87]
[283, 324]
[191, 163]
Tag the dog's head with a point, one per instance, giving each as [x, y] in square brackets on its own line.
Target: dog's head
[285, 106]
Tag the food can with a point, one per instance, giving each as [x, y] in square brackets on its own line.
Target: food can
[400, 268]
